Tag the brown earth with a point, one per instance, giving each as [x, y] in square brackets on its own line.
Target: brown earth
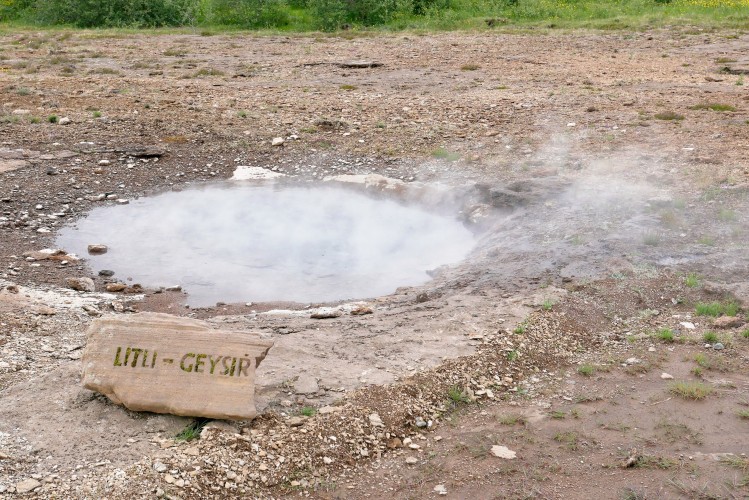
[588, 167]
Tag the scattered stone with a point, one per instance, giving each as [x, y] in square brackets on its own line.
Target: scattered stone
[420, 423]
[97, 249]
[244, 173]
[632, 361]
[306, 384]
[728, 322]
[27, 486]
[159, 467]
[361, 310]
[412, 460]
[81, 284]
[116, 287]
[394, 443]
[503, 452]
[666, 376]
[296, 421]
[422, 297]
[65, 121]
[326, 314]
[327, 460]
[277, 141]
[440, 489]
[687, 325]
[375, 420]
[175, 288]
[168, 364]
[718, 346]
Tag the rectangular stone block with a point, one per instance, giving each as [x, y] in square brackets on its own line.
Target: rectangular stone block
[167, 364]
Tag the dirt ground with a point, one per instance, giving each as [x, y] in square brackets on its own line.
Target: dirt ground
[605, 176]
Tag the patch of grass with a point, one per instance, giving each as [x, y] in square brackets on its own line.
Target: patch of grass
[512, 419]
[706, 240]
[651, 239]
[692, 280]
[308, 411]
[52, 119]
[697, 371]
[736, 462]
[568, 439]
[726, 215]
[96, 114]
[547, 305]
[586, 370]
[710, 337]
[668, 115]
[743, 414]
[512, 355]
[242, 114]
[457, 396]
[348, 87]
[520, 329]
[674, 432]
[745, 333]
[690, 390]
[666, 335]
[655, 462]
[444, 154]
[175, 52]
[469, 67]
[559, 415]
[208, 72]
[35, 119]
[632, 494]
[192, 431]
[714, 107]
[175, 139]
[725, 60]
[702, 360]
[715, 309]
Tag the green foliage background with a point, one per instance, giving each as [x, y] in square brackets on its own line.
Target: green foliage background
[330, 15]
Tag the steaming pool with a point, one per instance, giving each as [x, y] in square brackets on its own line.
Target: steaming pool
[261, 243]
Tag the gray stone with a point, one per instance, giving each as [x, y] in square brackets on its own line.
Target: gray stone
[718, 346]
[27, 486]
[81, 284]
[306, 384]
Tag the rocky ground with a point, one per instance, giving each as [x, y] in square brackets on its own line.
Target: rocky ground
[606, 179]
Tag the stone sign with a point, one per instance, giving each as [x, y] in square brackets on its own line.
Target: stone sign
[167, 364]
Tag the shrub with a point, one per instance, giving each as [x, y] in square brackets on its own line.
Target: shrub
[115, 13]
[250, 13]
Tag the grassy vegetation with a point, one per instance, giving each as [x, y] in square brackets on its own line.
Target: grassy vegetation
[308, 411]
[710, 337]
[692, 280]
[716, 309]
[586, 370]
[192, 431]
[666, 334]
[331, 15]
[714, 107]
[668, 115]
[691, 390]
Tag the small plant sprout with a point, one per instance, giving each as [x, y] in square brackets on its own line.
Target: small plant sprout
[715, 309]
[691, 390]
[512, 356]
[745, 333]
[651, 239]
[457, 395]
[666, 334]
[469, 67]
[520, 329]
[192, 431]
[96, 114]
[547, 305]
[558, 415]
[308, 411]
[710, 337]
[52, 119]
[692, 280]
[586, 370]
[668, 115]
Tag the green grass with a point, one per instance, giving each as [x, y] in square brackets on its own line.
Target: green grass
[714, 107]
[710, 337]
[512, 419]
[444, 154]
[666, 335]
[347, 87]
[547, 305]
[208, 72]
[586, 370]
[96, 114]
[745, 333]
[512, 356]
[52, 119]
[692, 280]
[470, 67]
[559, 415]
[651, 239]
[307, 411]
[715, 309]
[743, 414]
[457, 396]
[215, 16]
[568, 439]
[690, 390]
[727, 215]
[668, 115]
[192, 431]
[520, 329]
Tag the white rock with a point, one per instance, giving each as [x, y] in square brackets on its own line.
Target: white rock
[27, 486]
[666, 376]
[632, 361]
[687, 325]
[440, 489]
[277, 141]
[327, 460]
[375, 420]
[245, 173]
[65, 120]
[159, 467]
[411, 460]
[503, 452]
